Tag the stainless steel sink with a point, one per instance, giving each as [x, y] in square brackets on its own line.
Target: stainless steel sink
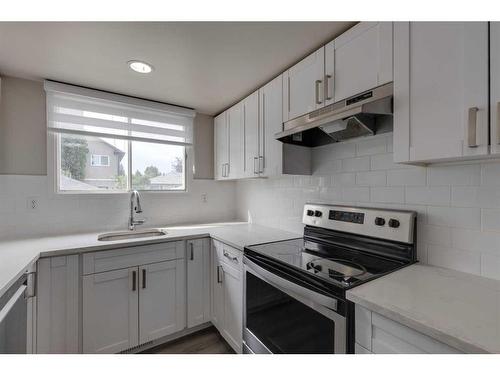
[116, 236]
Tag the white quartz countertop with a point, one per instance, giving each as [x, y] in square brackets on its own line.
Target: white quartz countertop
[456, 308]
[17, 256]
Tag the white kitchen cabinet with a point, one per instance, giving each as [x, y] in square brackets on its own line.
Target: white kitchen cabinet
[162, 299]
[303, 86]
[236, 141]
[110, 311]
[198, 281]
[495, 87]
[271, 122]
[221, 147]
[227, 293]
[379, 335]
[251, 135]
[440, 91]
[57, 305]
[358, 60]
[139, 296]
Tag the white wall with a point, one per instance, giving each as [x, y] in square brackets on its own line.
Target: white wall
[458, 205]
[61, 214]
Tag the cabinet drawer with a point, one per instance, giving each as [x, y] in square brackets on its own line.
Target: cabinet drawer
[102, 261]
[228, 255]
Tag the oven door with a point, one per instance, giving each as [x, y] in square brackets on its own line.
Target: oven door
[281, 316]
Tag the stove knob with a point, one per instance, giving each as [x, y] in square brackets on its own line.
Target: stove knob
[380, 221]
[318, 213]
[310, 213]
[393, 223]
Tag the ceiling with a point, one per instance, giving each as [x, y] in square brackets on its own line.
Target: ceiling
[203, 65]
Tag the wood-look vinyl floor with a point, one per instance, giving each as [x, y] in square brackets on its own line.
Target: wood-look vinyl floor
[207, 341]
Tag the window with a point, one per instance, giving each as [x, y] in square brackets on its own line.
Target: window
[110, 143]
[99, 160]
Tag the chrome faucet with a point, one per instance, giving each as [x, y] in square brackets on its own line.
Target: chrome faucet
[135, 208]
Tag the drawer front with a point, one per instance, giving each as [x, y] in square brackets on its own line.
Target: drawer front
[102, 261]
[228, 255]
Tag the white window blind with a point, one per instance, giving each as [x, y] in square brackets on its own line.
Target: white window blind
[77, 110]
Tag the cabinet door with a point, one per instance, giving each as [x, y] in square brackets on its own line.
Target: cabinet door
[236, 144]
[221, 149]
[362, 58]
[110, 311]
[304, 86]
[57, 305]
[251, 134]
[495, 86]
[162, 304]
[233, 307]
[440, 90]
[198, 282]
[217, 287]
[270, 149]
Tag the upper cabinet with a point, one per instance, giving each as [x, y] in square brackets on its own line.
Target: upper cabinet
[440, 91]
[251, 135]
[271, 122]
[303, 86]
[221, 147]
[235, 120]
[358, 60]
[495, 87]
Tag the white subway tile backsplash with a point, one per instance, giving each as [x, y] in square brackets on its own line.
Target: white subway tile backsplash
[458, 205]
[356, 164]
[373, 178]
[371, 146]
[416, 176]
[436, 195]
[452, 258]
[387, 194]
[454, 175]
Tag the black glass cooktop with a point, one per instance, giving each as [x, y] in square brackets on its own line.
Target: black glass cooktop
[340, 266]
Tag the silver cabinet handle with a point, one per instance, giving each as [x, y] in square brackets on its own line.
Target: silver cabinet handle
[143, 278]
[134, 281]
[255, 165]
[472, 127]
[230, 257]
[288, 93]
[261, 165]
[328, 77]
[223, 167]
[317, 91]
[219, 276]
[191, 256]
[227, 170]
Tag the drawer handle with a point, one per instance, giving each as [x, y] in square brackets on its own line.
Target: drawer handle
[219, 278]
[234, 259]
[472, 127]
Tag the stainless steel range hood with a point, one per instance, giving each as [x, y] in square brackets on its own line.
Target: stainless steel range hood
[349, 118]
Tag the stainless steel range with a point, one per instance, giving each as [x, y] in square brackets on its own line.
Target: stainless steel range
[295, 289]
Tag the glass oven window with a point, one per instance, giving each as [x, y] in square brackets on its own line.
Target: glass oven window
[283, 324]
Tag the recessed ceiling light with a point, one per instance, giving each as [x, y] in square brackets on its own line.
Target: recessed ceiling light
[140, 66]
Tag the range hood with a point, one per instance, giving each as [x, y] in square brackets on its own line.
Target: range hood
[353, 117]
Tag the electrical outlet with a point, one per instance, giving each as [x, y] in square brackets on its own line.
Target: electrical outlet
[204, 198]
[32, 204]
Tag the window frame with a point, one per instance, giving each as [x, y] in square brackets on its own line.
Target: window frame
[100, 160]
[54, 161]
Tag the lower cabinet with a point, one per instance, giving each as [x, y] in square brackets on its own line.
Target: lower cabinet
[377, 334]
[198, 281]
[57, 306]
[227, 293]
[130, 307]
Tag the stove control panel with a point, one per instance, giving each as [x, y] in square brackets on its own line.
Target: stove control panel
[393, 225]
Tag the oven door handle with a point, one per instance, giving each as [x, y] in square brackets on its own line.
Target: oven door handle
[281, 283]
